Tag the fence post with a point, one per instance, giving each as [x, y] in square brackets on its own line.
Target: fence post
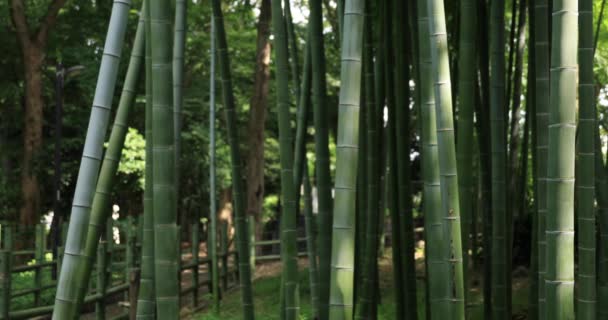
[224, 250]
[129, 252]
[195, 260]
[5, 283]
[102, 269]
[252, 244]
[39, 256]
[134, 276]
[7, 237]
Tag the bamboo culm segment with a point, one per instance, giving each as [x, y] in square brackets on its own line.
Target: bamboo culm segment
[585, 169]
[392, 181]
[559, 282]
[541, 100]
[288, 225]
[109, 167]
[452, 254]
[323, 175]
[402, 139]
[601, 188]
[179, 44]
[467, 54]
[146, 300]
[343, 235]
[437, 269]
[238, 189]
[166, 250]
[74, 260]
[500, 299]
[212, 203]
[367, 293]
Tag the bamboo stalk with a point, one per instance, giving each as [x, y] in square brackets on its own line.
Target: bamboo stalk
[242, 238]
[146, 303]
[559, 282]
[166, 233]
[342, 274]
[66, 299]
[450, 208]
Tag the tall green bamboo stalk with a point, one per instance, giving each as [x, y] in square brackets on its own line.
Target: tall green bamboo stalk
[585, 168]
[101, 200]
[531, 114]
[301, 173]
[146, 302]
[179, 44]
[238, 189]
[391, 160]
[323, 176]
[367, 294]
[450, 207]
[483, 134]
[341, 301]
[288, 216]
[559, 282]
[166, 250]
[437, 269]
[402, 138]
[467, 55]
[74, 260]
[601, 188]
[500, 298]
[215, 281]
[541, 100]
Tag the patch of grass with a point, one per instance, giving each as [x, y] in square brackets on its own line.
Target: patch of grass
[266, 292]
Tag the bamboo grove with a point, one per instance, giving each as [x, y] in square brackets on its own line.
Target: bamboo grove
[470, 119]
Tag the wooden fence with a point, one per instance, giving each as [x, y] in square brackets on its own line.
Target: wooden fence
[27, 288]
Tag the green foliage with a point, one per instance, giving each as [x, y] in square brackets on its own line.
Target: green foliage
[132, 162]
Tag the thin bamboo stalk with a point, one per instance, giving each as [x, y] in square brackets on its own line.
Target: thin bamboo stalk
[288, 214]
[212, 189]
[323, 176]
[541, 99]
[242, 238]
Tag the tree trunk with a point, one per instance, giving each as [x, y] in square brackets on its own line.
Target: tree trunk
[32, 134]
[257, 118]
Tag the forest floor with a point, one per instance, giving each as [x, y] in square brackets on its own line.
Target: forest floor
[267, 283]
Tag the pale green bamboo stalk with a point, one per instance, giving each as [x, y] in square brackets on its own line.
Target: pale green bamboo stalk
[450, 207]
[439, 307]
[66, 298]
[559, 282]
[101, 200]
[343, 234]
